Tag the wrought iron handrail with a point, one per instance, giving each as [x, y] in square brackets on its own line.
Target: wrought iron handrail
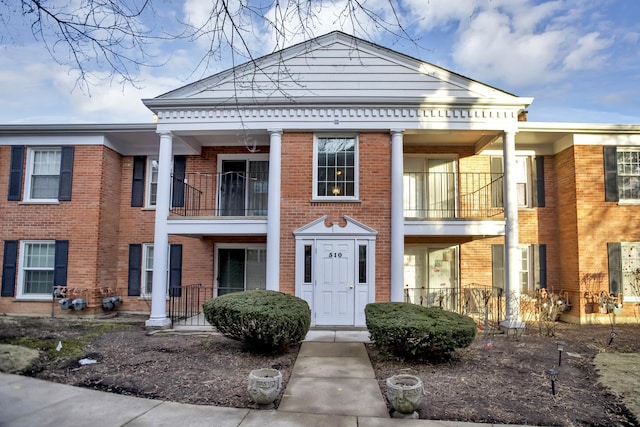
[438, 195]
[239, 194]
[185, 304]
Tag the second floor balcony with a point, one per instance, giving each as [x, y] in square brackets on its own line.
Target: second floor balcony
[428, 196]
[453, 195]
[224, 194]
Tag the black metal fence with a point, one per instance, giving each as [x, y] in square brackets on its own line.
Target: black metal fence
[486, 305]
[185, 307]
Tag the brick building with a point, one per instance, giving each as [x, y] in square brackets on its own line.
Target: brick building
[336, 170]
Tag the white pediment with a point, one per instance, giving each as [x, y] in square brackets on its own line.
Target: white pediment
[335, 68]
[319, 228]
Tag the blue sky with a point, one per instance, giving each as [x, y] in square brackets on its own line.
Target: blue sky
[579, 59]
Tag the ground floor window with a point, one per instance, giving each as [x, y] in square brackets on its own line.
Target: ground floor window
[241, 268]
[630, 254]
[147, 270]
[532, 264]
[37, 262]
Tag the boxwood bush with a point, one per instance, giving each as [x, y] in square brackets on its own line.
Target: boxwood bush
[411, 331]
[266, 321]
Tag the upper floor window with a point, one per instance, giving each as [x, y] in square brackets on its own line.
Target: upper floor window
[622, 174]
[152, 181]
[336, 167]
[43, 173]
[628, 161]
[48, 174]
[529, 176]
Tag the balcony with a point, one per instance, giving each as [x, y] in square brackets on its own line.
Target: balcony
[447, 195]
[450, 203]
[226, 194]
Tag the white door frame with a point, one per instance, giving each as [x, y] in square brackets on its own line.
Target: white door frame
[309, 237]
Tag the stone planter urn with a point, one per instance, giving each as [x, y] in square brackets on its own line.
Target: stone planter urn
[264, 386]
[405, 395]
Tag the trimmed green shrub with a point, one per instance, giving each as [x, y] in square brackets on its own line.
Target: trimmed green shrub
[266, 321]
[411, 331]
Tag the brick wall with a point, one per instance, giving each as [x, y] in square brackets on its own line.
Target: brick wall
[373, 210]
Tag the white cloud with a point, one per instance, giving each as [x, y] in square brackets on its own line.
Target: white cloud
[518, 43]
[588, 53]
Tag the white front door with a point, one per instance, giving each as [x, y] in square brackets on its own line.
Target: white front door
[334, 301]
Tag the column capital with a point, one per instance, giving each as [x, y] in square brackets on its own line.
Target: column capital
[279, 131]
[511, 130]
[396, 131]
[165, 133]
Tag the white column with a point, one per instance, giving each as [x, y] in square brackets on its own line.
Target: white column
[511, 249]
[158, 318]
[397, 217]
[273, 208]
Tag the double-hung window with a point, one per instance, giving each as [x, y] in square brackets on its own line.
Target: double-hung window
[335, 175]
[43, 173]
[152, 182]
[532, 267]
[630, 256]
[147, 270]
[528, 174]
[37, 264]
[628, 161]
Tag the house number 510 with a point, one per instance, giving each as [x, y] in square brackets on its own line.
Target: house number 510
[335, 254]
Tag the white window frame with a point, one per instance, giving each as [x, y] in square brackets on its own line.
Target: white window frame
[528, 157]
[148, 182]
[21, 294]
[245, 246]
[356, 169]
[619, 175]
[144, 271]
[629, 263]
[29, 173]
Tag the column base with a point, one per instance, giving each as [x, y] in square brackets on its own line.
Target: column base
[512, 327]
[162, 323]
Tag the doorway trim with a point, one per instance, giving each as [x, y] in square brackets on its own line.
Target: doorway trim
[307, 260]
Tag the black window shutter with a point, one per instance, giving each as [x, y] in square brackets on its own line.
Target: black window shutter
[179, 169]
[540, 265]
[9, 264]
[538, 182]
[60, 263]
[135, 265]
[615, 268]
[66, 174]
[15, 172]
[497, 266]
[137, 186]
[175, 270]
[610, 175]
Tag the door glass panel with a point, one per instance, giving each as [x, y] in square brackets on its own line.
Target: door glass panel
[441, 188]
[232, 188]
[231, 263]
[430, 276]
[257, 188]
[256, 269]
[414, 187]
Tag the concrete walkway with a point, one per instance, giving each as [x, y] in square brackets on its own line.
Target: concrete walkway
[332, 384]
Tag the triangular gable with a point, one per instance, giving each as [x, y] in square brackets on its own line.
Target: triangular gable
[318, 228]
[331, 68]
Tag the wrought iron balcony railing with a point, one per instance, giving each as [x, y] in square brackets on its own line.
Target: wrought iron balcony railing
[447, 195]
[239, 194]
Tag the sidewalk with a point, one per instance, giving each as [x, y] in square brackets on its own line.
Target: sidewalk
[332, 384]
